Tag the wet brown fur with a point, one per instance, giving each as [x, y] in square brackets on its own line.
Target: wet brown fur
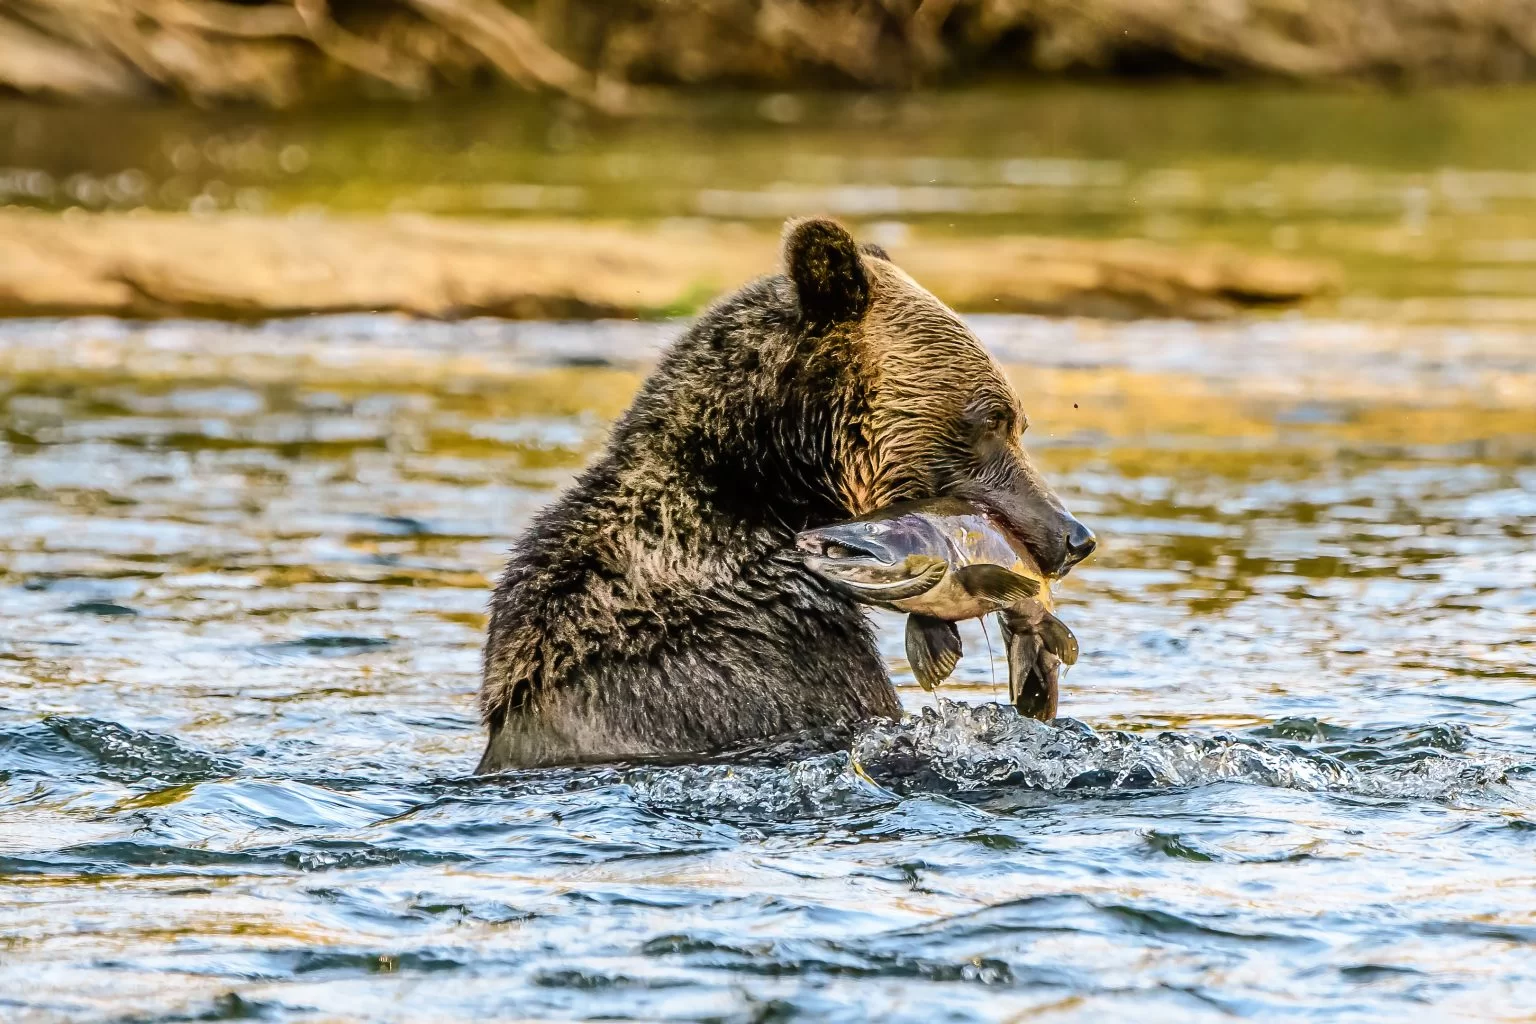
[657, 607]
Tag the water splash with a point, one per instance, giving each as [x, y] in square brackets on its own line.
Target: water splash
[814, 787]
[971, 748]
[988, 749]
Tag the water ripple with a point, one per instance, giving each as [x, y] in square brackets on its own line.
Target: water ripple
[108, 750]
[1298, 782]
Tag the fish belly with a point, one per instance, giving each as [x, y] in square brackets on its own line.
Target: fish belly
[948, 601]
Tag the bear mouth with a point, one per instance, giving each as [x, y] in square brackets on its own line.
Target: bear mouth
[1002, 520]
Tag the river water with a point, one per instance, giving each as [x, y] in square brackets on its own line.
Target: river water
[1426, 201]
[243, 574]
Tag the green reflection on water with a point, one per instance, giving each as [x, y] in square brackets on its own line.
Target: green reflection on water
[1427, 194]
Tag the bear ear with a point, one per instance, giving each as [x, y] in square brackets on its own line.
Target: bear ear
[824, 263]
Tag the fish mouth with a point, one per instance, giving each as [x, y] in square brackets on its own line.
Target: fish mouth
[835, 549]
[838, 550]
[844, 557]
[867, 567]
[877, 582]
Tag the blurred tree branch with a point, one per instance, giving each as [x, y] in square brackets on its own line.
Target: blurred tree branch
[281, 52]
[275, 52]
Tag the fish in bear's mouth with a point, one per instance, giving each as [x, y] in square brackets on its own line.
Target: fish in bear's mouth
[943, 561]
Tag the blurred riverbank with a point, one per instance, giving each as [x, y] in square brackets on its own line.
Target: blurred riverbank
[245, 266]
[1418, 207]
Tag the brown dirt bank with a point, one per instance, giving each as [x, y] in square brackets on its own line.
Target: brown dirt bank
[282, 52]
[152, 265]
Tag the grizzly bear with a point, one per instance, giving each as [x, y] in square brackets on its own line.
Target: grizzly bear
[659, 608]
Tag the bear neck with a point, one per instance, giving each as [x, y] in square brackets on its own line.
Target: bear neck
[720, 490]
[749, 452]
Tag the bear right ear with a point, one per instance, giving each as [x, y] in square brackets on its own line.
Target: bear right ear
[824, 263]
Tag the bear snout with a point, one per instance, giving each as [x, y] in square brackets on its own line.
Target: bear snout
[1080, 544]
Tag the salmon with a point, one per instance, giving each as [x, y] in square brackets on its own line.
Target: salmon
[943, 561]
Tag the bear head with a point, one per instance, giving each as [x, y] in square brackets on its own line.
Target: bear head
[912, 405]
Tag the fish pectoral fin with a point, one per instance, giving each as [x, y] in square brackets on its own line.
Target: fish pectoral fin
[994, 583]
[933, 649]
[1058, 639]
[1033, 675]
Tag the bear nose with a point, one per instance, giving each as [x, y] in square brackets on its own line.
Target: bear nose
[1080, 544]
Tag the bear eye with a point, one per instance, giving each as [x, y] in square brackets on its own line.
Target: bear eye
[996, 422]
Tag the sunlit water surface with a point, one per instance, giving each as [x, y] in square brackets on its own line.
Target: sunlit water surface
[242, 581]
[1425, 200]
